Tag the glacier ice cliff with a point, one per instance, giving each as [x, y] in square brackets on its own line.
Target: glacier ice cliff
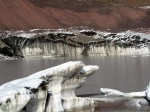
[50, 90]
[64, 42]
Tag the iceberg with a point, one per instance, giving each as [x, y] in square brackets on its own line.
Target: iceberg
[50, 90]
[137, 99]
[53, 90]
[112, 92]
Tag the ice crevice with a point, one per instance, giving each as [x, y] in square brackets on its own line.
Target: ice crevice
[50, 90]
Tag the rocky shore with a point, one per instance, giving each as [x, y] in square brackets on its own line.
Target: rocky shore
[4, 57]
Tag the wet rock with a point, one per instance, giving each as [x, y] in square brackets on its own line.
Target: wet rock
[5, 49]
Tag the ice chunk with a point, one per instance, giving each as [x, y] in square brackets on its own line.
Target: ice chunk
[112, 92]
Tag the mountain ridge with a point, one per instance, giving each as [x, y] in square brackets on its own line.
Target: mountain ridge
[54, 14]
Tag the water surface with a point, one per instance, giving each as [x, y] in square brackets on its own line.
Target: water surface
[124, 73]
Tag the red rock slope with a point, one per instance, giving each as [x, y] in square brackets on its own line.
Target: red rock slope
[29, 14]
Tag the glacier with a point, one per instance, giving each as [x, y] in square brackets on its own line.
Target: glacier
[66, 42]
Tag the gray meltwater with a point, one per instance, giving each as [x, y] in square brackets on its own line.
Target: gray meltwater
[124, 73]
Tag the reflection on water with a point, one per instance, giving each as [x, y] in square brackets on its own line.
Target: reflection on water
[124, 73]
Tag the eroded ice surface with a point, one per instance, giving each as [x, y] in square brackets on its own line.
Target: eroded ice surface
[53, 90]
[50, 90]
[62, 42]
[138, 99]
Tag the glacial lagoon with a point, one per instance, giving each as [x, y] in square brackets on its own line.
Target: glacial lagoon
[125, 73]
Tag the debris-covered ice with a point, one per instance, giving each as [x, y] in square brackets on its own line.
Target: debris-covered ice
[63, 42]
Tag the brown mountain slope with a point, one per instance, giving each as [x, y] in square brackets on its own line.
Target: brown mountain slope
[29, 14]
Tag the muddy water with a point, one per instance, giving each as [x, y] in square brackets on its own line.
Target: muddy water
[124, 73]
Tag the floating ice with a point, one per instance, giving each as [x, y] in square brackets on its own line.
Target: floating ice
[50, 90]
[112, 92]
